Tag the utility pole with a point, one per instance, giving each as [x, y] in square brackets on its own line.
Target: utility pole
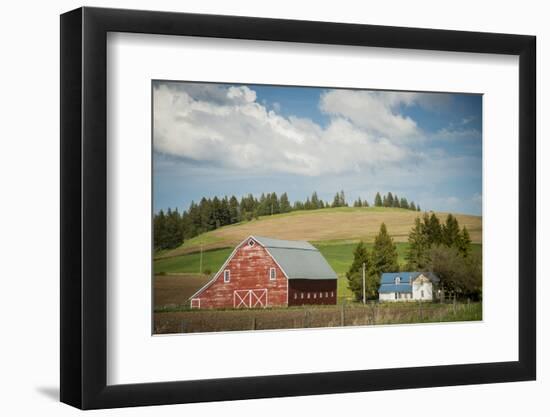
[364, 289]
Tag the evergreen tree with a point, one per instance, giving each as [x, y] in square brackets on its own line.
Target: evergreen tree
[234, 216]
[342, 199]
[432, 228]
[167, 230]
[464, 242]
[389, 200]
[450, 232]
[377, 200]
[215, 220]
[355, 272]
[285, 204]
[276, 204]
[224, 211]
[315, 201]
[418, 207]
[336, 201]
[383, 255]
[365, 203]
[159, 230]
[396, 202]
[412, 206]
[417, 255]
[263, 208]
[404, 204]
[206, 215]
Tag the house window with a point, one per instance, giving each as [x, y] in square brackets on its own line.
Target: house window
[272, 274]
[226, 275]
[250, 243]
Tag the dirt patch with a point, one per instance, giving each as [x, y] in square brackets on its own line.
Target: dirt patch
[175, 290]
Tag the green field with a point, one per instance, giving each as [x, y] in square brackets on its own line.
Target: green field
[339, 256]
[212, 260]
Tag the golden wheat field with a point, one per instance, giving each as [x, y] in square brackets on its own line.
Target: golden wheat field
[334, 224]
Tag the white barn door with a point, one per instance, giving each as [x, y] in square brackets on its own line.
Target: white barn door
[250, 298]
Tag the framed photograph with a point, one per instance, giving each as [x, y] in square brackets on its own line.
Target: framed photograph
[257, 208]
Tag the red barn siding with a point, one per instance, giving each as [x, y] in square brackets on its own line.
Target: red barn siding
[249, 268]
[321, 291]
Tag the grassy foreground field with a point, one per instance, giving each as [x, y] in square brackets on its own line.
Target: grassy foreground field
[343, 224]
[193, 321]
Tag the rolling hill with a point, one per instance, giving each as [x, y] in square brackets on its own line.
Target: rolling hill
[337, 226]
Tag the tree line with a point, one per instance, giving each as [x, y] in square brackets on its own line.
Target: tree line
[441, 248]
[171, 228]
[392, 200]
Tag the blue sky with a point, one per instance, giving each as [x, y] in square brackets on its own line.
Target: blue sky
[225, 139]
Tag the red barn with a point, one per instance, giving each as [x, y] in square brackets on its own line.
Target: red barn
[265, 272]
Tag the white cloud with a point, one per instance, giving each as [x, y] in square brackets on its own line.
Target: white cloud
[228, 127]
[373, 111]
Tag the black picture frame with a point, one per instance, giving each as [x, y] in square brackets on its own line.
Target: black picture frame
[84, 207]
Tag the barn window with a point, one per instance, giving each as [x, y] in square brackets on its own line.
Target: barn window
[332, 293]
[308, 295]
[314, 295]
[321, 295]
[272, 274]
[302, 295]
[295, 295]
[226, 275]
[251, 243]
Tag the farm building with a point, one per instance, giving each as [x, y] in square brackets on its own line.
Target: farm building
[407, 286]
[265, 272]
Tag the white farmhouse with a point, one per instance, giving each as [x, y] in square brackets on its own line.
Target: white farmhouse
[407, 286]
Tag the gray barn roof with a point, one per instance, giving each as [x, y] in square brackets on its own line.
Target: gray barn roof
[298, 259]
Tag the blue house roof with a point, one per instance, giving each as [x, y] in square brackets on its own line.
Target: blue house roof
[387, 281]
[395, 288]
